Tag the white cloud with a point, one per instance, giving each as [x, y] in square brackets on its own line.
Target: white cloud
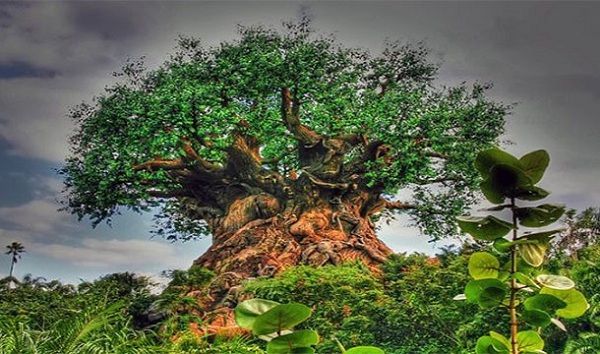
[37, 217]
[112, 253]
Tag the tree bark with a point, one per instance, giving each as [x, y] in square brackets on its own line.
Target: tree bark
[261, 236]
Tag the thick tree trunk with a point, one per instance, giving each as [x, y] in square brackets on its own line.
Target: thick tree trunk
[264, 247]
[258, 237]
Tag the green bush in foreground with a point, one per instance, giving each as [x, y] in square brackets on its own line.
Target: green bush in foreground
[506, 284]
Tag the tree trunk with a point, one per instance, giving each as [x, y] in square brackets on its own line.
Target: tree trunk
[258, 237]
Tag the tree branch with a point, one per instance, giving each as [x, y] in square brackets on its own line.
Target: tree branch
[397, 205]
[176, 164]
[290, 108]
[193, 156]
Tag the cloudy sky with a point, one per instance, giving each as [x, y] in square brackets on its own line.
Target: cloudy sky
[53, 55]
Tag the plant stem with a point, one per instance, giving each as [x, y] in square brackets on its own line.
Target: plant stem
[512, 308]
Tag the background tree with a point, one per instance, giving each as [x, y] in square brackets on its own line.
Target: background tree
[582, 230]
[284, 146]
[15, 250]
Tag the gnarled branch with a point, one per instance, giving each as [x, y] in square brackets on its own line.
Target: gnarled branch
[290, 108]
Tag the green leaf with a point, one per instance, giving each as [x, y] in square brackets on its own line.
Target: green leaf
[247, 311]
[502, 245]
[489, 158]
[285, 344]
[508, 180]
[557, 282]
[531, 193]
[364, 350]
[541, 215]
[533, 253]
[483, 265]
[544, 302]
[529, 341]
[499, 337]
[489, 345]
[525, 279]
[490, 193]
[535, 164]
[486, 292]
[486, 228]
[280, 317]
[544, 236]
[536, 318]
[576, 302]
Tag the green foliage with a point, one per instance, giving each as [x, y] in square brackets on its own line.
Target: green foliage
[407, 309]
[203, 95]
[505, 176]
[275, 323]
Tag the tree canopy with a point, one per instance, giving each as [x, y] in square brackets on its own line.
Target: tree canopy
[260, 111]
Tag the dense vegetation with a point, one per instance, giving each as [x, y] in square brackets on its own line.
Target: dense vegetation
[408, 308]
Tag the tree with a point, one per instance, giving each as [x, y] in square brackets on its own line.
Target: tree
[15, 250]
[582, 230]
[283, 145]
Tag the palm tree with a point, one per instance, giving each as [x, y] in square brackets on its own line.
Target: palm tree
[14, 249]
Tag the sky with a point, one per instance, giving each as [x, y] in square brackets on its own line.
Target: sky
[542, 56]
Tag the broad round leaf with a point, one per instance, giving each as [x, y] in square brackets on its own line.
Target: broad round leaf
[534, 164]
[269, 337]
[531, 193]
[544, 236]
[499, 337]
[529, 341]
[364, 350]
[525, 279]
[484, 228]
[502, 245]
[541, 215]
[544, 302]
[507, 179]
[490, 193]
[533, 253]
[285, 344]
[576, 302]
[280, 317]
[489, 345]
[483, 265]
[247, 311]
[486, 292]
[489, 158]
[536, 318]
[557, 282]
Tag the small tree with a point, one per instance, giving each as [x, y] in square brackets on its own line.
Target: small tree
[496, 284]
[15, 250]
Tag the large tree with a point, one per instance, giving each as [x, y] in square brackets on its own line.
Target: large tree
[285, 146]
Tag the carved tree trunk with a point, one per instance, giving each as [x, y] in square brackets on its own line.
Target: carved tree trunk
[317, 235]
[261, 235]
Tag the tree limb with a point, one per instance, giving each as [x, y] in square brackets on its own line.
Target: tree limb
[290, 108]
[397, 205]
[156, 164]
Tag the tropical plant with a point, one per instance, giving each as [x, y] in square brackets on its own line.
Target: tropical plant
[497, 284]
[275, 322]
[90, 331]
[15, 250]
